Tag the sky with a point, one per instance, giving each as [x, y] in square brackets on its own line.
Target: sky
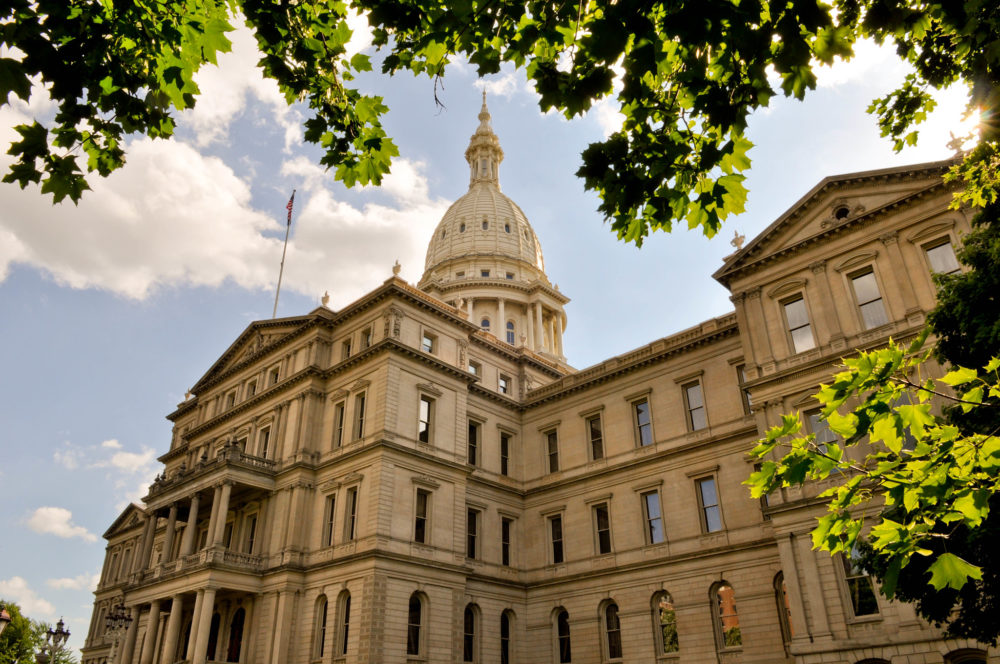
[112, 309]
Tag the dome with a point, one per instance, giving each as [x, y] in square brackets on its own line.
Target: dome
[484, 223]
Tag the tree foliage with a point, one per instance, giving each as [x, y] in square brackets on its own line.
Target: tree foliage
[24, 637]
[919, 478]
[689, 75]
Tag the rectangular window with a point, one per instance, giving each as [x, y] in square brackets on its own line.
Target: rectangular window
[708, 499]
[510, 276]
[473, 446]
[651, 512]
[420, 520]
[596, 435]
[505, 526]
[602, 527]
[351, 515]
[338, 423]
[504, 453]
[263, 442]
[345, 350]
[741, 376]
[799, 329]
[359, 416]
[694, 403]
[555, 528]
[328, 516]
[819, 426]
[251, 388]
[942, 259]
[484, 273]
[424, 424]
[552, 438]
[472, 533]
[366, 337]
[427, 342]
[227, 535]
[475, 369]
[231, 399]
[251, 534]
[504, 384]
[859, 587]
[274, 375]
[643, 426]
[242, 443]
[869, 300]
[460, 274]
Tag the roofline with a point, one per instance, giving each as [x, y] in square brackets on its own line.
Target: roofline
[729, 268]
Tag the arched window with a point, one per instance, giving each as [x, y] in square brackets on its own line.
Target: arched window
[461, 227]
[727, 623]
[213, 637]
[506, 623]
[470, 634]
[562, 636]
[510, 332]
[343, 621]
[784, 609]
[966, 656]
[665, 624]
[319, 631]
[485, 324]
[414, 625]
[236, 635]
[506, 228]
[612, 631]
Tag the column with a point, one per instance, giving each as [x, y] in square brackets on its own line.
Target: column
[149, 643]
[147, 541]
[204, 620]
[894, 276]
[128, 648]
[220, 516]
[813, 591]
[530, 325]
[173, 630]
[191, 528]
[193, 635]
[539, 335]
[469, 305]
[827, 304]
[168, 541]
[212, 518]
[559, 332]
[502, 320]
[552, 333]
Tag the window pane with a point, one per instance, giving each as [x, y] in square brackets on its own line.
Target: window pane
[728, 620]
[694, 396]
[802, 339]
[562, 625]
[708, 496]
[866, 288]
[873, 314]
[654, 522]
[713, 519]
[413, 631]
[942, 259]
[644, 430]
[603, 529]
[668, 624]
[795, 313]
[614, 631]
[596, 438]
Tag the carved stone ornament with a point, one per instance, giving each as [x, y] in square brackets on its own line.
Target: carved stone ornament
[393, 322]
[463, 353]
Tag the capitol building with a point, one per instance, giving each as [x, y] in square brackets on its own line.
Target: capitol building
[422, 477]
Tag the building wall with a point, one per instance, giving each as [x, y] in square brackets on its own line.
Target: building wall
[262, 447]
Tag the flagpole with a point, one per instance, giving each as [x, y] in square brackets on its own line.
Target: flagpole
[281, 270]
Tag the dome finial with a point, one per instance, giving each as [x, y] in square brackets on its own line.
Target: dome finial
[484, 118]
[484, 154]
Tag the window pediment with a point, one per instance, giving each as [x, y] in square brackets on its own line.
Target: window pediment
[786, 287]
[857, 260]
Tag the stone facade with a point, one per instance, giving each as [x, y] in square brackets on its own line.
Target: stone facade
[392, 483]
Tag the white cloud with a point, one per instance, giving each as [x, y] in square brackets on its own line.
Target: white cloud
[128, 472]
[504, 85]
[17, 590]
[68, 456]
[111, 444]
[58, 521]
[79, 582]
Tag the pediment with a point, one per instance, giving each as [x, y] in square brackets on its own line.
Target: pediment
[130, 519]
[254, 341]
[836, 201]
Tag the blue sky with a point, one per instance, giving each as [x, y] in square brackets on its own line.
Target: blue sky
[110, 310]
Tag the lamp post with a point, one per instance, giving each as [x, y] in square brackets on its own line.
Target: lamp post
[54, 641]
[117, 623]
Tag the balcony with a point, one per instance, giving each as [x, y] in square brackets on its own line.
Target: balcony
[204, 559]
[229, 457]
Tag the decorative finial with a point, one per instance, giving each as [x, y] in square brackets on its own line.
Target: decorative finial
[396, 268]
[737, 240]
[955, 144]
[187, 395]
[326, 298]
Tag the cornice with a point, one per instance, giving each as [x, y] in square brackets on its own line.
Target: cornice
[653, 353]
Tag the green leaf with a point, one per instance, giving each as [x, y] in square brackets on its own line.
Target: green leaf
[952, 572]
[959, 376]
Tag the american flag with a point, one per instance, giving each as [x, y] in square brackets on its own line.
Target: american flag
[291, 202]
